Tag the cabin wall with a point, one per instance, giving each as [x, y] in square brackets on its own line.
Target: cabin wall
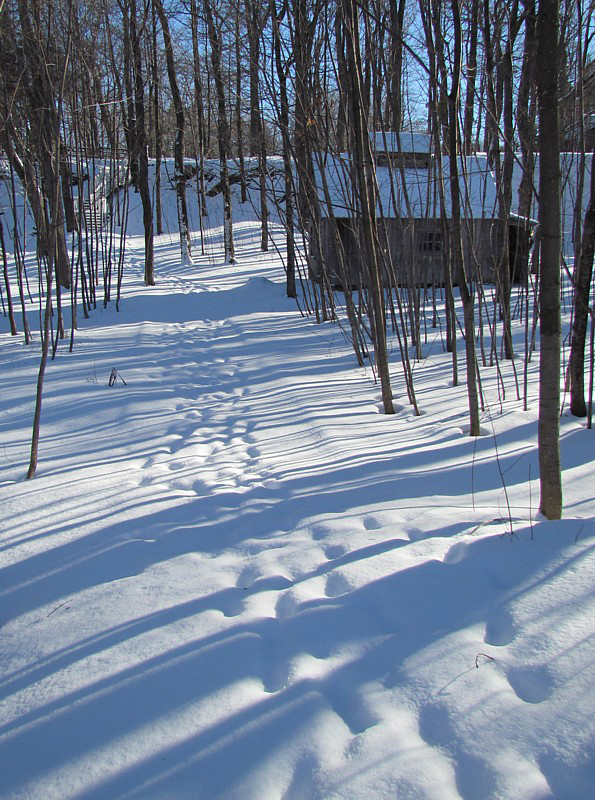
[414, 251]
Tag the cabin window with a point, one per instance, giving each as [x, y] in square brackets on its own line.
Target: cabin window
[429, 242]
[406, 160]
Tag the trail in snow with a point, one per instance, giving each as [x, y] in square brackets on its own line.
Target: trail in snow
[234, 577]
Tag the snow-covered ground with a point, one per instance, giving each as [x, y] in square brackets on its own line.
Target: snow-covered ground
[234, 578]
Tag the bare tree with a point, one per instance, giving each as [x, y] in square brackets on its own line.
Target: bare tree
[179, 176]
[256, 16]
[223, 132]
[365, 184]
[11, 319]
[548, 58]
[138, 132]
[200, 114]
[51, 130]
[583, 275]
[158, 137]
[459, 267]
[471, 76]
[282, 69]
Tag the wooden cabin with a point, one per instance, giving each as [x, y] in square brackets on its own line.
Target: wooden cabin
[414, 218]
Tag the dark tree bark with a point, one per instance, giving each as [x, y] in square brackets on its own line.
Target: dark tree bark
[470, 100]
[550, 258]
[223, 133]
[282, 69]
[157, 129]
[365, 183]
[525, 112]
[11, 319]
[24, 168]
[342, 80]
[435, 90]
[440, 77]
[238, 114]
[395, 65]
[505, 186]
[51, 152]
[256, 18]
[583, 275]
[459, 267]
[126, 91]
[67, 199]
[141, 155]
[303, 32]
[180, 177]
[200, 113]
[43, 117]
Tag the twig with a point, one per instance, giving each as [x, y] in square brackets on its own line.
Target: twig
[94, 378]
[114, 377]
[485, 655]
[57, 607]
[579, 533]
[531, 504]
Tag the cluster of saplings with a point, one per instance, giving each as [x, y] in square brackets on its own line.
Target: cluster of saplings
[95, 94]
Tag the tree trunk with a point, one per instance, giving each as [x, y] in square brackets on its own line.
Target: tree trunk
[459, 267]
[44, 122]
[342, 81]
[304, 22]
[157, 131]
[525, 116]
[582, 286]
[223, 135]
[286, 142]
[395, 74]
[180, 177]
[11, 319]
[365, 189]
[549, 293]
[200, 114]
[239, 122]
[470, 101]
[256, 17]
[140, 145]
[506, 174]
[50, 151]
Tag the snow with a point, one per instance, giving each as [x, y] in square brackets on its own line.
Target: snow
[404, 141]
[234, 577]
[416, 186]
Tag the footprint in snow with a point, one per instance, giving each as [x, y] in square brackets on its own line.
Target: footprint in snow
[337, 584]
[247, 577]
[320, 532]
[333, 551]
[531, 684]
[470, 771]
[371, 524]
[350, 707]
[456, 553]
[287, 605]
[500, 628]
[233, 603]
[276, 676]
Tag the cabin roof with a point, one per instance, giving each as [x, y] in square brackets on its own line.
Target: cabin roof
[404, 142]
[412, 191]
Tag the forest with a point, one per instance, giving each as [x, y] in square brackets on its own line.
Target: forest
[318, 99]
[296, 380]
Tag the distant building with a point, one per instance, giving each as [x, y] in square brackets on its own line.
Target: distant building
[572, 135]
[414, 217]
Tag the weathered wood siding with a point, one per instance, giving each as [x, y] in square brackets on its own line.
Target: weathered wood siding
[414, 251]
